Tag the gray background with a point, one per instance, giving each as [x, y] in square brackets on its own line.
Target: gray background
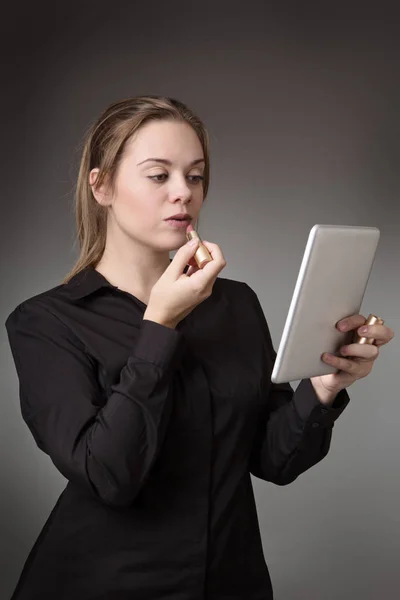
[302, 103]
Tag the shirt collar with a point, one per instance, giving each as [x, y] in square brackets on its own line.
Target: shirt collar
[88, 281]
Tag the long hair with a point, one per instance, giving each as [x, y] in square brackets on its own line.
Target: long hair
[103, 149]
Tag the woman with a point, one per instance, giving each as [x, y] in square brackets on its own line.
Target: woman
[147, 382]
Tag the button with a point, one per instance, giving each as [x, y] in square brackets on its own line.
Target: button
[324, 410]
[315, 425]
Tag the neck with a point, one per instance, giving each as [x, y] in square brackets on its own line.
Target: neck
[134, 269]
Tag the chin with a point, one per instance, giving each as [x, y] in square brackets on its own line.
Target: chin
[178, 245]
[169, 246]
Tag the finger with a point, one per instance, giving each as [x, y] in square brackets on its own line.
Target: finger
[218, 262]
[351, 322]
[380, 333]
[192, 269]
[364, 352]
[343, 364]
[182, 257]
[192, 262]
[214, 250]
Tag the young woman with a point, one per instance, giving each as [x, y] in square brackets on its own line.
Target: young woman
[147, 382]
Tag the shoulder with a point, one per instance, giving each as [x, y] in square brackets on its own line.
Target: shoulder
[243, 297]
[235, 289]
[34, 309]
[237, 296]
[53, 301]
[36, 326]
[232, 285]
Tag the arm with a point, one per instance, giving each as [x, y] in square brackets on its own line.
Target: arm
[295, 429]
[108, 450]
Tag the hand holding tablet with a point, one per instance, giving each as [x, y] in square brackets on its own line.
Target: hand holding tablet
[332, 280]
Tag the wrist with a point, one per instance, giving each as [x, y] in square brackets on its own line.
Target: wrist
[326, 397]
[149, 316]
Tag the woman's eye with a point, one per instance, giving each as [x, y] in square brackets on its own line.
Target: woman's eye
[196, 178]
[192, 178]
[154, 177]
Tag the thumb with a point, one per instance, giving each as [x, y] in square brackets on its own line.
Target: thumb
[182, 257]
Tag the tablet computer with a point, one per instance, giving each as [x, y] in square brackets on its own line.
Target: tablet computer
[331, 283]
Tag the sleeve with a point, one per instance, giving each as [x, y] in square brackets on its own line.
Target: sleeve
[104, 445]
[295, 429]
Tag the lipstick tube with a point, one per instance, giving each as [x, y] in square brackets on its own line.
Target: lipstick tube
[202, 255]
[372, 320]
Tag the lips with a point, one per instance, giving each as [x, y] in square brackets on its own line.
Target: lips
[179, 217]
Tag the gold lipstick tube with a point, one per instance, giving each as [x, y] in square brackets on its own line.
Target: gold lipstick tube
[372, 320]
[202, 255]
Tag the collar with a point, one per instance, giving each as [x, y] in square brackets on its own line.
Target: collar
[85, 283]
[88, 281]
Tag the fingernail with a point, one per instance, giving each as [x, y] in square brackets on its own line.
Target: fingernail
[343, 326]
[363, 329]
[193, 242]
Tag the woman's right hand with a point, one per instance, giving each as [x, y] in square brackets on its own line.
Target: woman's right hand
[176, 293]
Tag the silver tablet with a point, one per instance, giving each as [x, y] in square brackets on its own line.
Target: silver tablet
[332, 280]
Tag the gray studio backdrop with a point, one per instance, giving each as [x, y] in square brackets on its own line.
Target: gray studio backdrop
[302, 105]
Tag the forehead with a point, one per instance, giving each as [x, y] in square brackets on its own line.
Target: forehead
[165, 139]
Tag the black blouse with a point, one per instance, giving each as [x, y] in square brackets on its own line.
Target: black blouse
[157, 431]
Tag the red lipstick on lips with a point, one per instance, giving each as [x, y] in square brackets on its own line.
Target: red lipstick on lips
[202, 255]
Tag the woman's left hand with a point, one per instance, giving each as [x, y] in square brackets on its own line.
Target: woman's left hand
[358, 362]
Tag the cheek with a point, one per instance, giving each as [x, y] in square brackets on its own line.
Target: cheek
[130, 195]
[135, 208]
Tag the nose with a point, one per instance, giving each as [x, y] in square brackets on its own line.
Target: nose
[180, 190]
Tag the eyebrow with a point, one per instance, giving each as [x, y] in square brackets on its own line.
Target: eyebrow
[164, 161]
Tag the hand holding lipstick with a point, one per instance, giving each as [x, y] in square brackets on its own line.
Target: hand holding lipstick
[176, 293]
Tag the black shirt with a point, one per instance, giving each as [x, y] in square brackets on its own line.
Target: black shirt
[157, 431]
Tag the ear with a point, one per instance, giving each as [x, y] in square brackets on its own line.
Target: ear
[101, 194]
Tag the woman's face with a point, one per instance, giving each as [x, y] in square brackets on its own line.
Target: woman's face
[148, 191]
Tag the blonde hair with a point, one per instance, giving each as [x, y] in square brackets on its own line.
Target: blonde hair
[103, 149]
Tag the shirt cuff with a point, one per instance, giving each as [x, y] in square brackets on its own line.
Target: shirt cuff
[159, 345]
[310, 408]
